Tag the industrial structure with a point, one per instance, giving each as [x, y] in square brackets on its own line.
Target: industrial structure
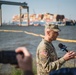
[22, 5]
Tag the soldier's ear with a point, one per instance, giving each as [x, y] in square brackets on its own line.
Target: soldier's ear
[48, 32]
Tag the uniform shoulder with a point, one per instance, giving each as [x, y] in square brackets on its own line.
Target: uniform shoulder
[42, 44]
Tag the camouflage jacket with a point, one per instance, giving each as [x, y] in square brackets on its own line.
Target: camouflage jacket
[46, 58]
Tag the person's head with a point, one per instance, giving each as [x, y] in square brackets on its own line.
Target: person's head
[51, 32]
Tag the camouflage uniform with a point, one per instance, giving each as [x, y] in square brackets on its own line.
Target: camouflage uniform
[46, 58]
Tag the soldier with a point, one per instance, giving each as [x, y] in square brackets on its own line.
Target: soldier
[25, 63]
[46, 56]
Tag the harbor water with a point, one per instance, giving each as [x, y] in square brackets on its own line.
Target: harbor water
[11, 40]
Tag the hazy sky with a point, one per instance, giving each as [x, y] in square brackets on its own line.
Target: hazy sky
[63, 7]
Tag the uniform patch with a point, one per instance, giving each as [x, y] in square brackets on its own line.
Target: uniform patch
[43, 53]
